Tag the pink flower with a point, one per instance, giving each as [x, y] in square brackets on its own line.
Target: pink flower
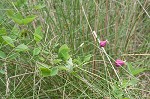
[119, 63]
[103, 43]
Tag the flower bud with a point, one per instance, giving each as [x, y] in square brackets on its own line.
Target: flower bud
[103, 43]
[119, 63]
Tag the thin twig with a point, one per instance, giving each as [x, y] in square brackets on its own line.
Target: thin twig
[136, 55]
[21, 75]
[7, 81]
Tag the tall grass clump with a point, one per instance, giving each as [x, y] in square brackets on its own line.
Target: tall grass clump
[74, 49]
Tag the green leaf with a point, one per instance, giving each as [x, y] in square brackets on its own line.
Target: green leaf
[117, 92]
[21, 48]
[10, 13]
[138, 71]
[87, 58]
[125, 83]
[45, 52]
[38, 34]
[19, 21]
[45, 71]
[2, 54]
[18, 18]
[8, 40]
[64, 47]
[134, 71]
[2, 71]
[130, 67]
[41, 58]
[15, 32]
[36, 51]
[64, 52]
[131, 82]
[69, 65]
[20, 3]
[54, 71]
[28, 19]
[37, 37]
[78, 61]
[37, 7]
[62, 68]
[56, 61]
[3, 31]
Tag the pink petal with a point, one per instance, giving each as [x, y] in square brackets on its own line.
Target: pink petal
[119, 63]
[103, 43]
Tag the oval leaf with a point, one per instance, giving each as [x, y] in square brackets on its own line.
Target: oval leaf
[87, 58]
[2, 54]
[45, 71]
[21, 48]
[28, 19]
[8, 40]
[54, 71]
[64, 52]
[38, 34]
[36, 51]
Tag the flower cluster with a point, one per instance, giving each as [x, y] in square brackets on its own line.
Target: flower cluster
[118, 62]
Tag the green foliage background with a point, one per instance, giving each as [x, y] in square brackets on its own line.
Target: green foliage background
[41, 54]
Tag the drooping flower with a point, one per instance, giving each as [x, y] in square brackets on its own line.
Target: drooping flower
[103, 43]
[119, 63]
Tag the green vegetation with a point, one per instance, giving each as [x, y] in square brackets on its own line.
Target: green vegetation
[49, 49]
